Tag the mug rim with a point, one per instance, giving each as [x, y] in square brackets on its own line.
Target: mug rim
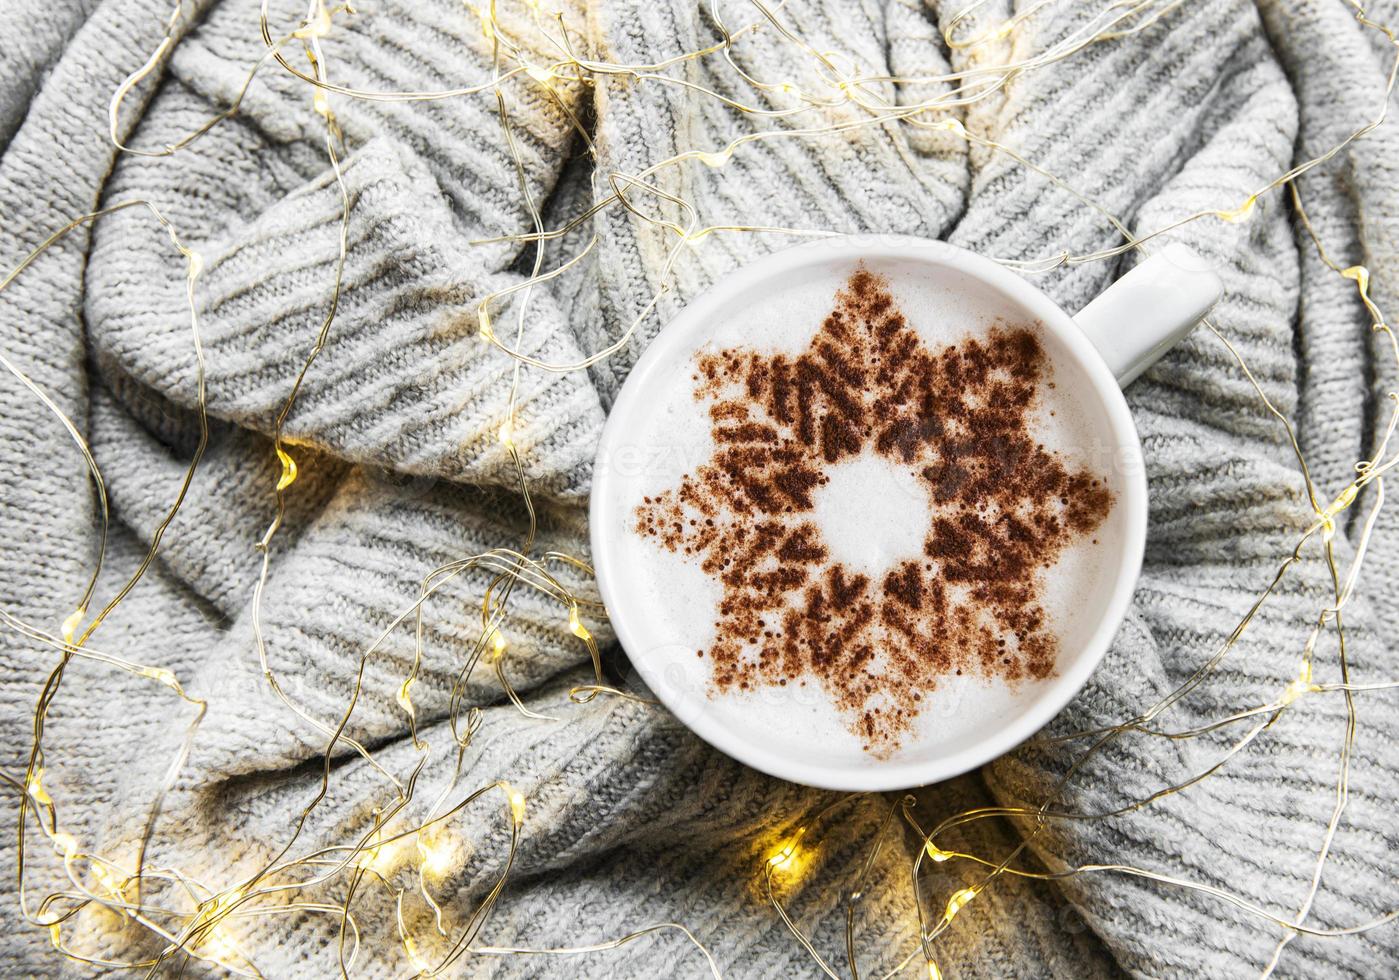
[1056, 692]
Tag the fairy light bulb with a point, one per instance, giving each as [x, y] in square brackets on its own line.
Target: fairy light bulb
[288, 476]
[715, 160]
[517, 806]
[405, 697]
[497, 644]
[575, 625]
[1328, 516]
[384, 857]
[71, 624]
[316, 26]
[108, 881]
[1242, 212]
[105, 878]
[162, 676]
[785, 857]
[934, 973]
[221, 903]
[506, 433]
[957, 902]
[436, 857]
[216, 942]
[1359, 275]
[36, 788]
[484, 16]
[1292, 692]
[1301, 685]
[218, 945]
[936, 853]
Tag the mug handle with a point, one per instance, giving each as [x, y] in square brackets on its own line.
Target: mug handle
[1150, 309]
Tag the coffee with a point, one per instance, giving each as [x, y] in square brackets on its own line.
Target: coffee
[877, 514]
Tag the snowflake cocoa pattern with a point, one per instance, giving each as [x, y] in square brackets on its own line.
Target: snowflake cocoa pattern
[1002, 510]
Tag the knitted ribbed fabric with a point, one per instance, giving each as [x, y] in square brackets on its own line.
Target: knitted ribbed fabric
[631, 819]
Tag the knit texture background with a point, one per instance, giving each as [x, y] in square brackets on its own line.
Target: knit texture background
[632, 820]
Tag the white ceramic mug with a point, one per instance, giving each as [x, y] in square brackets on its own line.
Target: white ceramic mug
[1109, 342]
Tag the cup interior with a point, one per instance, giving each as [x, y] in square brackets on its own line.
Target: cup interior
[662, 604]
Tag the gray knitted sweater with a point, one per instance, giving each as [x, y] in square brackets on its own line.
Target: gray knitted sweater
[631, 819]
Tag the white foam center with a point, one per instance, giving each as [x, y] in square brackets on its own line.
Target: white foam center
[872, 513]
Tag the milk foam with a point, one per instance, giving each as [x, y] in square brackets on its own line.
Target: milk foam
[873, 514]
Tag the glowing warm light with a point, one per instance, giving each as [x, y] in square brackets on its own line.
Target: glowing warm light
[70, 625]
[437, 857]
[368, 858]
[498, 644]
[957, 902]
[67, 844]
[507, 432]
[517, 807]
[218, 945]
[316, 26]
[419, 962]
[713, 159]
[1359, 275]
[405, 698]
[288, 476]
[163, 676]
[1300, 686]
[1241, 212]
[487, 21]
[108, 881]
[1343, 500]
[575, 625]
[383, 858]
[1328, 516]
[36, 788]
[219, 904]
[784, 858]
[933, 972]
[936, 853]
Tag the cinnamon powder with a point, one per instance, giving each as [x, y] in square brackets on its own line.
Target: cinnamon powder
[960, 417]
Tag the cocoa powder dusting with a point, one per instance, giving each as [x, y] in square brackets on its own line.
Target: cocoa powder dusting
[1004, 508]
